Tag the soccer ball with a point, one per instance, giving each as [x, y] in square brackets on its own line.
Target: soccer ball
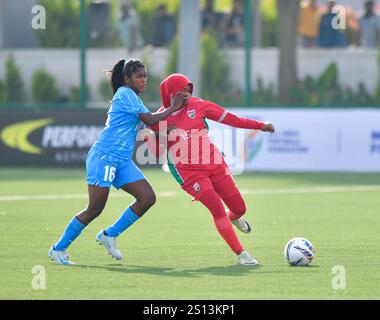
[299, 252]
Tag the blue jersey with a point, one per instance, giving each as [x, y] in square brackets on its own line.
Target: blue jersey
[118, 138]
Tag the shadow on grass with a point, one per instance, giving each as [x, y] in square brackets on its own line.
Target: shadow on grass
[292, 269]
[231, 270]
[304, 267]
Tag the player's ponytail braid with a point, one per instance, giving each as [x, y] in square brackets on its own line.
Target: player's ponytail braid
[124, 69]
[117, 76]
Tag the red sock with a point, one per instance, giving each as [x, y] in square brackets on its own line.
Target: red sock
[222, 223]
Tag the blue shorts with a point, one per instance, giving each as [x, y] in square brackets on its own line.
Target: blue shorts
[104, 172]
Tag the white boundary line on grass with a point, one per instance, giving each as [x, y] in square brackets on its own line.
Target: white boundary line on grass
[73, 196]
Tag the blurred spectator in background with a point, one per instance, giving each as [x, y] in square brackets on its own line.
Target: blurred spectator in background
[330, 36]
[309, 23]
[212, 21]
[163, 27]
[369, 26]
[129, 28]
[233, 25]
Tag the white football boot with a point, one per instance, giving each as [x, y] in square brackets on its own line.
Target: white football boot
[246, 260]
[110, 245]
[61, 257]
[242, 224]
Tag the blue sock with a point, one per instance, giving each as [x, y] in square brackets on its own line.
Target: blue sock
[72, 231]
[125, 221]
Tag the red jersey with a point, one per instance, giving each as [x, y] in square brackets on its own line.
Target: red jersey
[189, 144]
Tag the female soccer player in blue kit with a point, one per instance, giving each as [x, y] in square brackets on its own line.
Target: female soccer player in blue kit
[109, 161]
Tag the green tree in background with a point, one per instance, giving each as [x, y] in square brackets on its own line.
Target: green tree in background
[2, 92]
[63, 21]
[268, 10]
[326, 91]
[171, 66]
[214, 71]
[105, 90]
[74, 94]
[14, 86]
[152, 91]
[43, 87]
[63, 24]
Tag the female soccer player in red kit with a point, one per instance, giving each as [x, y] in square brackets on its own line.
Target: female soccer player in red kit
[199, 167]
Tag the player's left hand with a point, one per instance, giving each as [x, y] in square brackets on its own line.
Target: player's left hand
[268, 127]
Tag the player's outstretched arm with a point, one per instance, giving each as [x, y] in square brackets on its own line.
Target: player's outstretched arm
[245, 123]
[219, 114]
[178, 102]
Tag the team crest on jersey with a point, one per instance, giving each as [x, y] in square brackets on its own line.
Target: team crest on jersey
[191, 114]
[196, 186]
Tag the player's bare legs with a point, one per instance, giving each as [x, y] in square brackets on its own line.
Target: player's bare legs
[97, 200]
[96, 203]
[145, 198]
[144, 195]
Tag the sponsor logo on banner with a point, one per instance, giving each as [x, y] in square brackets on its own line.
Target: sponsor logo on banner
[16, 135]
[253, 143]
[375, 142]
[53, 139]
[305, 140]
[287, 141]
[56, 137]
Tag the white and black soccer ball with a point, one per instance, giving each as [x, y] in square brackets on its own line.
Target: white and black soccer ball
[299, 252]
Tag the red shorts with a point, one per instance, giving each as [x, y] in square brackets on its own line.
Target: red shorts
[214, 177]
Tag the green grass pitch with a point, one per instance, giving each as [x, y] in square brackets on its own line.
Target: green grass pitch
[174, 251]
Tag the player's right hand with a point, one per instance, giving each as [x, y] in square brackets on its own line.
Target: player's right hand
[268, 127]
[179, 100]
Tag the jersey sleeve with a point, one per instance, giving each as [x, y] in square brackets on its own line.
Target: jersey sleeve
[141, 107]
[132, 101]
[217, 113]
[211, 110]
